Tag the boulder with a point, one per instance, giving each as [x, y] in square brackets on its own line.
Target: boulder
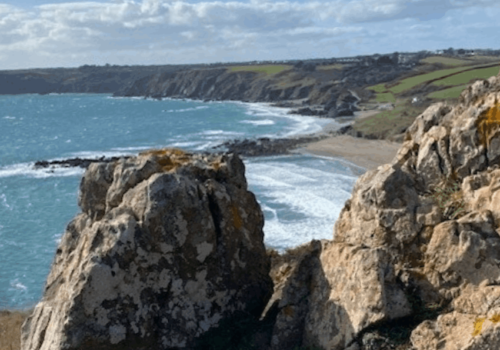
[168, 250]
[332, 292]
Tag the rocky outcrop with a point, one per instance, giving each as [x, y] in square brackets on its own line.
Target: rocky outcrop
[415, 258]
[167, 253]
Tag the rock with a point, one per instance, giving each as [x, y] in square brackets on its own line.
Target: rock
[168, 250]
[73, 162]
[331, 293]
[415, 248]
[265, 146]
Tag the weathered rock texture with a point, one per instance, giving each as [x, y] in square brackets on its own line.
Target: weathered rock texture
[415, 259]
[168, 247]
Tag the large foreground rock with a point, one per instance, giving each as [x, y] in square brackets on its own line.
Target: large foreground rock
[168, 248]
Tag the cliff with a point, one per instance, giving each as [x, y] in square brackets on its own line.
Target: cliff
[330, 92]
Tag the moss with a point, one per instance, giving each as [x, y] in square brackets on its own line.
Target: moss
[478, 326]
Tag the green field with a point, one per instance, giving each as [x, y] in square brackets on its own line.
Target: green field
[453, 92]
[465, 77]
[409, 83]
[447, 61]
[385, 97]
[388, 123]
[378, 88]
[267, 69]
[330, 67]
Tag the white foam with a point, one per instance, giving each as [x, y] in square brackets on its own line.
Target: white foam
[9, 117]
[132, 149]
[300, 202]
[26, 169]
[301, 124]
[108, 154]
[15, 284]
[185, 109]
[186, 144]
[259, 122]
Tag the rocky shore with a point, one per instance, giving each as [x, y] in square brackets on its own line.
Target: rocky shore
[168, 253]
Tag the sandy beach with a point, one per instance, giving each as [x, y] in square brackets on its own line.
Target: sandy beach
[365, 153]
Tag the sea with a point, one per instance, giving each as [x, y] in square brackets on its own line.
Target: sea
[301, 195]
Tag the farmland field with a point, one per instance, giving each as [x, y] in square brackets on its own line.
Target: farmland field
[453, 92]
[267, 69]
[447, 61]
[465, 77]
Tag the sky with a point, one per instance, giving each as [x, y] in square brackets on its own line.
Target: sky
[58, 33]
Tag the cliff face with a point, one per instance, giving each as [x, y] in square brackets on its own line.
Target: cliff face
[168, 248]
[330, 89]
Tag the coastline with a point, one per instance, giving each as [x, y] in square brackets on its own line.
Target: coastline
[368, 154]
[365, 153]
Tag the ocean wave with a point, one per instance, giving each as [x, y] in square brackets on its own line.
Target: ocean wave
[185, 109]
[15, 284]
[27, 169]
[259, 122]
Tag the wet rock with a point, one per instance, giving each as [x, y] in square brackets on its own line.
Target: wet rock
[168, 248]
[265, 146]
[73, 162]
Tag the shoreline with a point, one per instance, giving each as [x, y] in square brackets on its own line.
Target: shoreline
[364, 153]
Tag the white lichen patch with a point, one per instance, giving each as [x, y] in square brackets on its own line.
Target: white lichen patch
[204, 249]
[117, 333]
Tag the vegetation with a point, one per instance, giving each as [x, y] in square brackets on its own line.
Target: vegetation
[447, 61]
[389, 123]
[450, 93]
[409, 83]
[385, 97]
[266, 69]
[330, 67]
[10, 329]
[449, 198]
[465, 77]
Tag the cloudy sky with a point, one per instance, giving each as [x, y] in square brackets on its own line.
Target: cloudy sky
[58, 33]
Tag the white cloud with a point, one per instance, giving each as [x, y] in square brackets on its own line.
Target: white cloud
[175, 31]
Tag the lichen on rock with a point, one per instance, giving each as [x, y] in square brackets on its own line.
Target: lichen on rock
[169, 245]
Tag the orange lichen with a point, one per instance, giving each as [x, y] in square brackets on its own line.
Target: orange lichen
[168, 158]
[495, 318]
[478, 326]
[488, 124]
[237, 221]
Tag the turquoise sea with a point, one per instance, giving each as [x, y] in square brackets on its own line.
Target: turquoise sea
[301, 196]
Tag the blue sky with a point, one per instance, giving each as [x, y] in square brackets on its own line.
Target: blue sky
[67, 34]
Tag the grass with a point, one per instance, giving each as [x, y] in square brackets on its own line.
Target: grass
[453, 92]
[330, 67]
[409, 83]
[447, 61]
[388, 123]
[378, 88]
[10, 329]
[449, 198]
[266, 69]
[385, 97]
[465, 77]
